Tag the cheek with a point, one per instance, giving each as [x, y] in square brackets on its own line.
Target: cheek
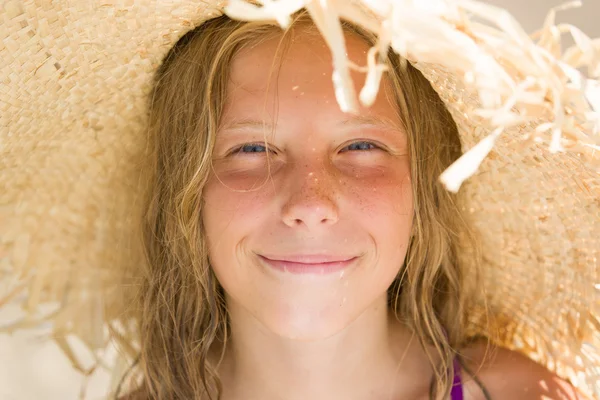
[383, 203]
[383, 192]
[229, 217]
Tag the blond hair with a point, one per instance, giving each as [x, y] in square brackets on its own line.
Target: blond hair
[183, 312]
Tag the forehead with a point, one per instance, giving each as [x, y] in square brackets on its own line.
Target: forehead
[296, 73]
[301, 55]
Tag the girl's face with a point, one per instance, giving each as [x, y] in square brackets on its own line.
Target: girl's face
[333, 186]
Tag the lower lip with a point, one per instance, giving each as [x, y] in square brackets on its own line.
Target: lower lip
[302, 268]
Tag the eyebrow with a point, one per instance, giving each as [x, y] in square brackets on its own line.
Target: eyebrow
[245, 123]
[352, 121]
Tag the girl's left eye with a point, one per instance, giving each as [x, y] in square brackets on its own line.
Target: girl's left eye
[250, 148]
[361, 145]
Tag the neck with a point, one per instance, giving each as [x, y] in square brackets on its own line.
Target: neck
[375, 357]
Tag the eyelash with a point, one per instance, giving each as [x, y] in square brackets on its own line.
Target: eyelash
[238, 150]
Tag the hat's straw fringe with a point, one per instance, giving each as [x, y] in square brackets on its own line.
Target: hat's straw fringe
[518, 77]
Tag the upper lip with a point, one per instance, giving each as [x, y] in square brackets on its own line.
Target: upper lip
[308, 258]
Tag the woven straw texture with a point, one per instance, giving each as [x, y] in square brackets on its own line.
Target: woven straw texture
[74, 77]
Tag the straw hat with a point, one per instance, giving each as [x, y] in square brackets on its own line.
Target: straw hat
[74, 76]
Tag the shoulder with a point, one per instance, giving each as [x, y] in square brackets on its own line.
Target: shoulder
[508, 374]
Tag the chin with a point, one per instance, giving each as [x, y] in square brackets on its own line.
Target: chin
[308, 325]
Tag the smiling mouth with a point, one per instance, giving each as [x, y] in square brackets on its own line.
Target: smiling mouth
[319, 267]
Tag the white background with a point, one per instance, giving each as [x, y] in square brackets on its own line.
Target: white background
[32, 370]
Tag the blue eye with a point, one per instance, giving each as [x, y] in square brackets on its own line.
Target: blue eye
[361, 145]
[251, 148]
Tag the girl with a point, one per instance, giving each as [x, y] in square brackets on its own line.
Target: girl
[299, 252]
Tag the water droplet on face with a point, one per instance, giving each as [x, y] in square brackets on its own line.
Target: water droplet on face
[343, 301]
[342, 274]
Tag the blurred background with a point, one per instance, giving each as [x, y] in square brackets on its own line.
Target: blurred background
[33, 369]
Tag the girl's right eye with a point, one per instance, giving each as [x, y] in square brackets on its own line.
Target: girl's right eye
[249, 148]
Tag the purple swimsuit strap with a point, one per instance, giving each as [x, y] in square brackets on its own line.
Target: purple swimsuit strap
[457, 391]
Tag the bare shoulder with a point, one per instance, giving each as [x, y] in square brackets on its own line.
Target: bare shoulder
[508, 374]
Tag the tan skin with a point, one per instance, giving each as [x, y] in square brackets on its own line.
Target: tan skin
[323, 337]
[511, 375]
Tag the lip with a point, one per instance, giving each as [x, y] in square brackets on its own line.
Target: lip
[308, 258]
[309, 264]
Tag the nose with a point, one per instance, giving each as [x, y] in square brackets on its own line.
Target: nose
[311, 199]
